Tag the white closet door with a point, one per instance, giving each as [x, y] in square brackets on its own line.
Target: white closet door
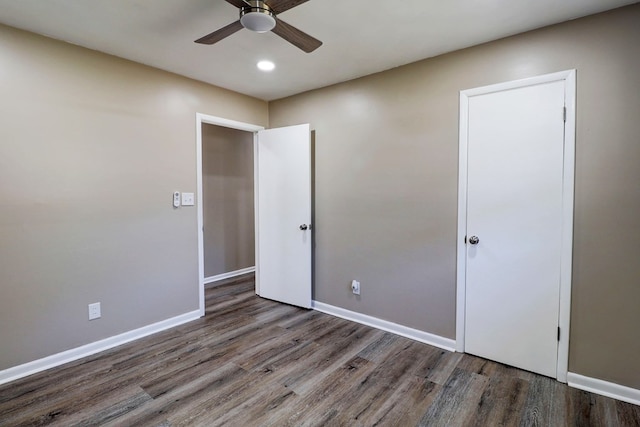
[514, 209]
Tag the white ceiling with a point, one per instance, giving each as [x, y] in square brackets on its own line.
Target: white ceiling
[360, 36]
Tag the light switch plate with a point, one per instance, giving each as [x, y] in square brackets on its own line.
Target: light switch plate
[188, 199]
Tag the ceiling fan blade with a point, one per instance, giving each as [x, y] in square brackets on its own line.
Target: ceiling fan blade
[237, 3]
[296, 37]
[220, 34]
[279, 6]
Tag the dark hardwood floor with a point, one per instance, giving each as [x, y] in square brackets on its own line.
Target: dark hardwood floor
[254, 362]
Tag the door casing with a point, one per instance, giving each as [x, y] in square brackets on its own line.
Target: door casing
[219, 121]
[569, 78]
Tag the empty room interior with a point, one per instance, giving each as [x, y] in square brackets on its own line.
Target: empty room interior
[422, 214]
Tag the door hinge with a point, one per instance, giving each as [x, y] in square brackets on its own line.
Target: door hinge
[564, 114]
[465, 240]
[558, 333]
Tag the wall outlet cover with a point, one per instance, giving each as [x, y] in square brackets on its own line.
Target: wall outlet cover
[355, 287]
[94, 311]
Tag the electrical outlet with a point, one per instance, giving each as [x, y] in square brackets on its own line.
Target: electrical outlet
[94, 311]
[355, 287]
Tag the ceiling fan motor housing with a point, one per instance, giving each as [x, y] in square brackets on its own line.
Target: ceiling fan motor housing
[258, 17]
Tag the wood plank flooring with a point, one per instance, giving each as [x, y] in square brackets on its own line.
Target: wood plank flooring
[254, 362]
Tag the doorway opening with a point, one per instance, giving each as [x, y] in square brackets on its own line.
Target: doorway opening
[227, 203]
[226, 237]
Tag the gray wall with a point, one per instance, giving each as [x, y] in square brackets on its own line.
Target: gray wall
[91, 149]
[227, 176]
[386, 183]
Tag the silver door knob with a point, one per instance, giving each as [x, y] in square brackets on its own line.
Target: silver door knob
[474, 240]
[303, 227]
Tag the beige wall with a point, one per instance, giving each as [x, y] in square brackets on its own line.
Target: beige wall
[227, 176]
[386, 183]
[91, 149]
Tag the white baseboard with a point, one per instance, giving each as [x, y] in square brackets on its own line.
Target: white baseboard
[229, 275]
[605, 388]
[58, 359]
[414, 334]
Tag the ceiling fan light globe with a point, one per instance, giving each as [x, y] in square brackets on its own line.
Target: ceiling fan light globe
[259, 21]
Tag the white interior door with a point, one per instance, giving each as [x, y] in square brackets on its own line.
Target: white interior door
[515, 209]
[283, 255]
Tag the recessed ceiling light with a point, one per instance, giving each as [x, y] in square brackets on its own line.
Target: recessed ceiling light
[266, 65]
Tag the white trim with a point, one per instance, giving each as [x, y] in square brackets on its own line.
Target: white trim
[604, 388]
[566, 262]
[233, 124]
[200, 211]
[461, 261]
[569, 77]
[228, 275]
[414, 334]
[529, 81]
[67, 356]
[256, 207]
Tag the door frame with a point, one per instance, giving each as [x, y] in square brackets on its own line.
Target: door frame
[233, 124]
[569, 78]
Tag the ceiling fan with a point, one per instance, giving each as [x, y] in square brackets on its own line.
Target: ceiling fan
[261, 16]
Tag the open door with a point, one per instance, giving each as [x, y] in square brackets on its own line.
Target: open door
[283, 249]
